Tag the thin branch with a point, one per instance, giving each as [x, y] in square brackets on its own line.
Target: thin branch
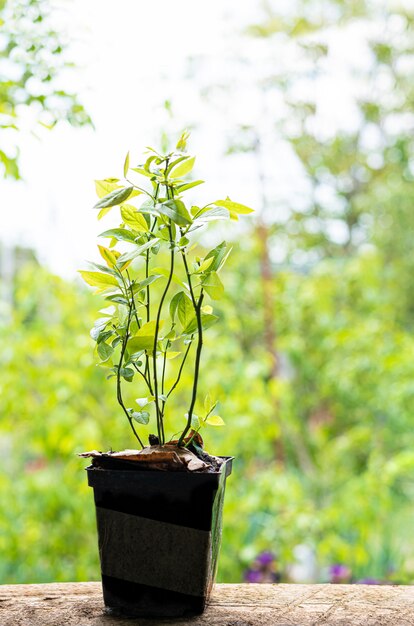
[118, 379]
[196, 368]
[157, 326]
[140, 188]
[181, 368]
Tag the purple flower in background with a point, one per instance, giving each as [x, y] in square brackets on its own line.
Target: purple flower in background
[253, 576]
[264, 569]
[340, 573]
[265, 558]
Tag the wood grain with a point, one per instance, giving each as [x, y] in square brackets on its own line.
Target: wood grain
[80, 604]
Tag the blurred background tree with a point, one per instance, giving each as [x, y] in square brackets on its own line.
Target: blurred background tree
[34, 65]
[312, 361]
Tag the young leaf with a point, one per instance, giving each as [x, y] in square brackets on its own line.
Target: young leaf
[195, 421]
[235, 208]
[144, 339]
[114, 197]
[175, 210]
[110, 256]
[127, 373]
[209, 214]
[215, 420]
[172, 355]
[183, 168]
[207, 320]
[120, 234]
[118, 299]
[219, 254]
[163, 271]
[126, 164]
[142, 171]
[103, 188]
[174, 304]
[185, 186]
[185, 309]
[213, 285]
[130, 256]
[182, 142]
[144, 401]
[142, 417]
[105, 351]
[133, 218]
[205, 265]
[98, 279]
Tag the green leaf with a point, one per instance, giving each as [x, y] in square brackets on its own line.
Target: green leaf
[185, 186]
[183, 168]
[120, 234]
[142, 417]
[99, 327]
[118, 299]
[144, 401]
[213, 285]
[172, 355]
[105, 351]
[235, 208]
[130, 256]
[102, 268]
[182, 142]
[144, 339]
[147, 281]
[103, 336]
[98, 279]
[174, 304]
[207, 320]
[209, 214]
[195, 421]
[215, 420]
[185, 308]
[175, 210]
[114, 197]
[127, 373]
[132, 217]
[126, 164]
[163, 271]
[205, 265]
[208, 404]
[105, 187]
[219, 254]
[110, 256]
[142, 171]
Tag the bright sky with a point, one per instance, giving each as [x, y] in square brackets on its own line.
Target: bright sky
[133, 56]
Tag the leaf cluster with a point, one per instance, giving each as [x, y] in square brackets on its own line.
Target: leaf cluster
[153, 251]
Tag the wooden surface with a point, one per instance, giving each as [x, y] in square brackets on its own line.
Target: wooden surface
[80, 604]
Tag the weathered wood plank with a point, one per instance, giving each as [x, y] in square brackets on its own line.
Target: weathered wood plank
[80, 604]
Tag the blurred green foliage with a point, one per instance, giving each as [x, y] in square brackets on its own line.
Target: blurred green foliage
[324, 454]
[35, 62]
[318, 412]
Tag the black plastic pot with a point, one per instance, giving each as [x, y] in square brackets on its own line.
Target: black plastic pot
[159, 536]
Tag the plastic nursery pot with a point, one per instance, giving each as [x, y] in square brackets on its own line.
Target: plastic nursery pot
[159, 537]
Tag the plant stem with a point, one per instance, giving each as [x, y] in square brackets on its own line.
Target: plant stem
[148, 302]
[181, 368]
[139, 188]
[160, 425]
[197, 363]
[118, 378]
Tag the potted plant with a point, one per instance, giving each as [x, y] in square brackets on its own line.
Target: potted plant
[158, 507]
